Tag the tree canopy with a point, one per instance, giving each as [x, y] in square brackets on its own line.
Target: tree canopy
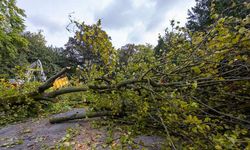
[201, 16]
[90, 45]
[11, 40]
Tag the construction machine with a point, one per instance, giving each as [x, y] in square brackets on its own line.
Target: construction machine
[34, 68]
[34, 73]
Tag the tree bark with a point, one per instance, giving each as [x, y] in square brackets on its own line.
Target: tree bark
[81, 115]
[50, 81]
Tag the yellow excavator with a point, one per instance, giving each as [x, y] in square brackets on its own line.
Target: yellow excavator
[35, 67]
[35, 72]
[38, 68]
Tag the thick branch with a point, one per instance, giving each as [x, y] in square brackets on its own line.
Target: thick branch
[65, 91]
[81, 115]
[126, 82]
[50, 81]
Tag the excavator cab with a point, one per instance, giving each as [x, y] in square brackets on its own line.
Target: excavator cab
[34, 73]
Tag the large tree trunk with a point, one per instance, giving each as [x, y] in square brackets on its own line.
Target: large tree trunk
[79, 115]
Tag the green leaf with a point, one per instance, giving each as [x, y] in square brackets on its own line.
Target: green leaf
[196, 69]
[194, 85]
[242, 30]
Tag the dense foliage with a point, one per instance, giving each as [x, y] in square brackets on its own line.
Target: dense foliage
[197, 92]
[20, 49]
[90, 45]
[200, 17]
[192, 88]
[51, 57]
[11, 40]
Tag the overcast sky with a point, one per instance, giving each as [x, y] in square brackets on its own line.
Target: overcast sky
[126, 21]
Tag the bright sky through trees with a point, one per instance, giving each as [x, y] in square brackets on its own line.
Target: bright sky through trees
[126, 21]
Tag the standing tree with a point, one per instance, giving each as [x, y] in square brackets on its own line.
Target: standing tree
[11, 40]
[199, 16]
[165, 42]
[51, 57]
[125, 52]
[203, 13]
[90, 45]
[135, 58]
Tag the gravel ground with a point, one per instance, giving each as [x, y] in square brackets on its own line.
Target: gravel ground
[40, 134]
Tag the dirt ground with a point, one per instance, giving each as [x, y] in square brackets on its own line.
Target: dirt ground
[36, 134]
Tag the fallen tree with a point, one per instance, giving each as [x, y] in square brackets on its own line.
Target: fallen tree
[40, 93]
[197, 92]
